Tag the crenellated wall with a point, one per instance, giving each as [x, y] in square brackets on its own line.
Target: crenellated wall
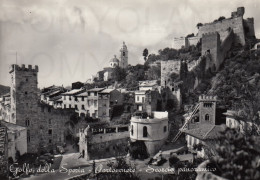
[236, 24]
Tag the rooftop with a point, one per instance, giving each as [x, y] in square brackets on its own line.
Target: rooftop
[12, 127]
[148, 83]
[205, 131]
[83, 94]
[155, 117]
[107, 91]
[95, 89]
[73, 92]
[56, 98]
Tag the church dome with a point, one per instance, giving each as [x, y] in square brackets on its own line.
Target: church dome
[114, 60]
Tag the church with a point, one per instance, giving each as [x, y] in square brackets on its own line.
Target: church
[115, 62]
[123, 62]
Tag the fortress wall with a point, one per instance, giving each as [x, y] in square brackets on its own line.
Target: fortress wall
[193, 41]
[249, 24]
[225, 47]
[211, 42]
[179, 42]
[221, 26]
[167, 68]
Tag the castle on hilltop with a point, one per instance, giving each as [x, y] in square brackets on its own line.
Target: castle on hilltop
[241, 27]
[217, 37]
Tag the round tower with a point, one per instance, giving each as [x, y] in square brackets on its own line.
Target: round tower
[153, 131]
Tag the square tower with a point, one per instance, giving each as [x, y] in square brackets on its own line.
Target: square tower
[207, 109]
[24, 100]
[124, 56]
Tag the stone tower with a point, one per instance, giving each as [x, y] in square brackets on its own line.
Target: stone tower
[124, 56]
[24, 99]
[207, 109]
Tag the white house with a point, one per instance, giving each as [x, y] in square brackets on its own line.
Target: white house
[153, 130]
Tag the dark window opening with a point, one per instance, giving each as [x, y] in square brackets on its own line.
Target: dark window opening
[50, 131]
[207, 117]
[164, 128]
[145, 133]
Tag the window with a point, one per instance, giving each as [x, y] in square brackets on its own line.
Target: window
[145, 131]
[26, 79]
[132, 130]
[95, 103]
[50, 141]
[137, 98]
[206, 117]
[95, 94]
[70, 106]
[64, 106]
[207, 105]
[49, 121]
[69, 98]
[76, 106]
[50, 131]
[82, 98]
[28, 136]
[165, 129]
[27, 122]
[76, 98]
[64, 97]
[49, 109]
[25, 93]
[82, 107]
[142, 99]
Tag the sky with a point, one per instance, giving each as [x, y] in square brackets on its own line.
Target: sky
[72, 40]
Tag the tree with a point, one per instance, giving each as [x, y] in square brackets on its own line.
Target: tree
[221, 18]
[237, 157]
[145, 53]
[119, 74]
[199, 25]
[154, 73]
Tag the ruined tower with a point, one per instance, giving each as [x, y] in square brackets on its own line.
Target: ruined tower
[207, 111]
[24, 99]
[124, 56]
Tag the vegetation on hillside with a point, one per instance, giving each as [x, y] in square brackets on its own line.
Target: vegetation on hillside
[4, 90]
[238, 156]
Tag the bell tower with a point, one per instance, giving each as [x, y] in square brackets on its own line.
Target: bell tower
[124, 56]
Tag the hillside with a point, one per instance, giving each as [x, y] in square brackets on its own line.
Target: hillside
[4, 89]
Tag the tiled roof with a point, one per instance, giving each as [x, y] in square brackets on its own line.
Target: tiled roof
[12, 127]
[56, 98]
[205, 131]
[73, 92]
[147, 83]
[83, 94]
[107, 91]
[96, 89]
